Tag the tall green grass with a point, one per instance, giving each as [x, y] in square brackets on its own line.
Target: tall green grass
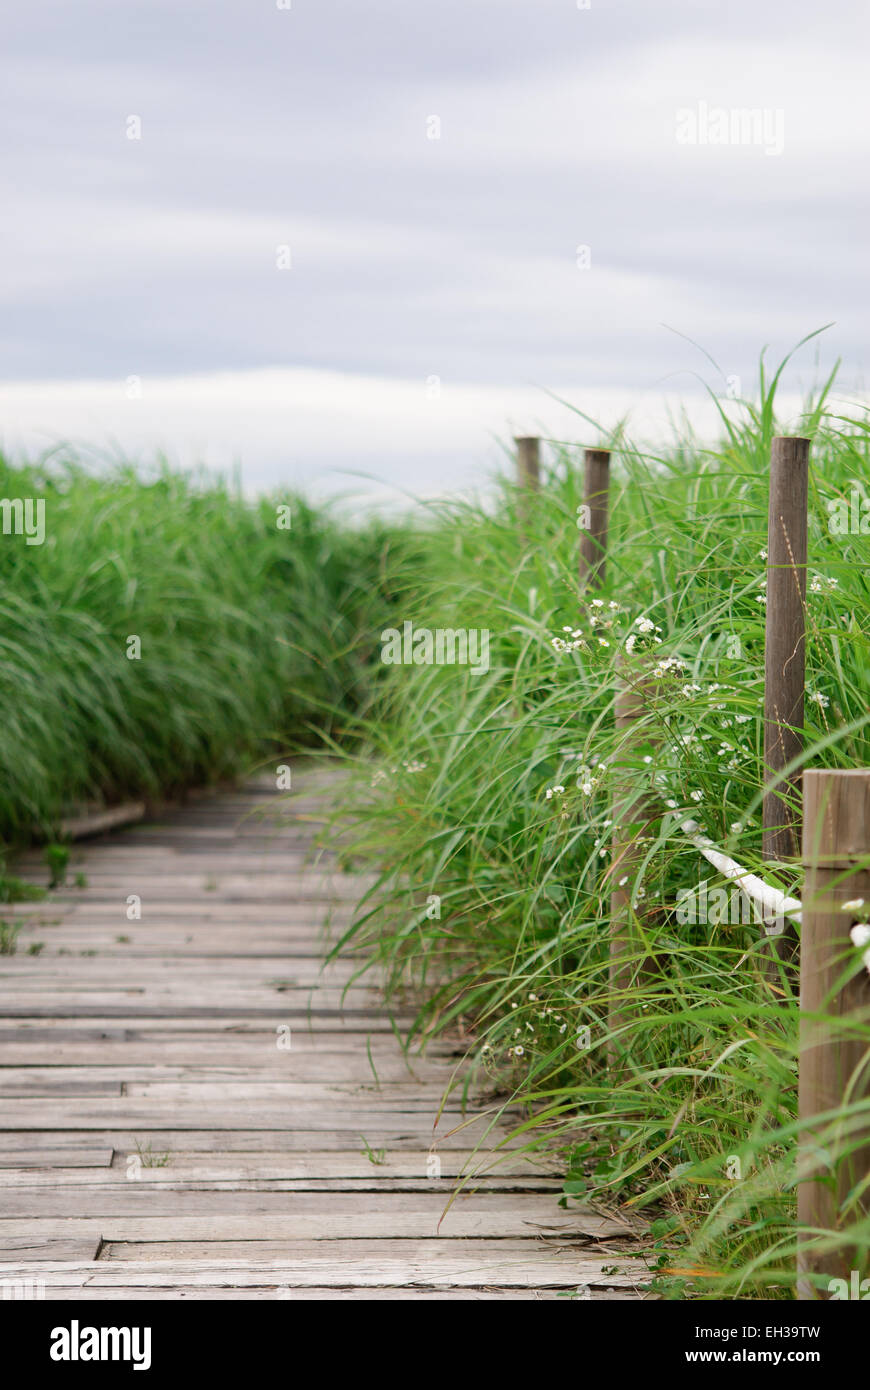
[486, 799]
[252, 637]
[492, 896]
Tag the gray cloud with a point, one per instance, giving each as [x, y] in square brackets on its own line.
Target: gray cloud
[410, 256]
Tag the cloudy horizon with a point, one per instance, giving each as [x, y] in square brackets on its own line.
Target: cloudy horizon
[335, 238]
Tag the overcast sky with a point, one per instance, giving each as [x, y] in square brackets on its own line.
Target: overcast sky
[156, 258]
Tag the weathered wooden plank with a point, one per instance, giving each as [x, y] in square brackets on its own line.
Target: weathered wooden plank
[250, 888]
[208, 1293]
[265, 1166]
[100, 1200]
[361, 1264]
[393, 1095]
[184, 979]
[219, 993]
[277, 1072]
[290, 1141]
[78, 974]
[158, 1039]
[35, 1247]
[97, 822]
[60, 1087]
[372, 1182]
[267, 1114]
[185, 1059]
[227, 1027]
[180, 948]
[24, 1161]
[133, 1006]
[357, 1222]
[241, 916]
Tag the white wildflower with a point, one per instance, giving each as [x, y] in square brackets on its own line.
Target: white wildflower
[822, 584]
[861, 938]
[668, 664]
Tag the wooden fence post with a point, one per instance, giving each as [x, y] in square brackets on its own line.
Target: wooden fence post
[593, 541]
[528, 461]
[784, 658]
[834, 1055]
[632, 814]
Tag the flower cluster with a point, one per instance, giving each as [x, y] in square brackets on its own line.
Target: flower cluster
[602, 618]
[669, 666]
[575, 641]
[643, 628]
[586, 779]
[607, 623]
[409, 765]
[821, 584]
[542, 1030]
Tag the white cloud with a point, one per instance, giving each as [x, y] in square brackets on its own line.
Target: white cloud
[317, 429]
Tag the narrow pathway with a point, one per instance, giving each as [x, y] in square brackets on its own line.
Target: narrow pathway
[190, 1107]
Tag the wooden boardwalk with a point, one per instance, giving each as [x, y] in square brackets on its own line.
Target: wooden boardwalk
[192, 1108]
